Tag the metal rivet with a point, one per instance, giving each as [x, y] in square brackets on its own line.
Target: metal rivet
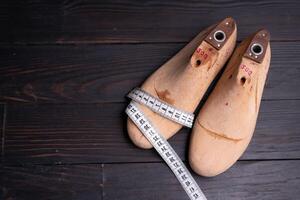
[257, 49]
[219, 36]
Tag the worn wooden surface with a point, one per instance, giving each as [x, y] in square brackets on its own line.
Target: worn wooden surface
[65, 64]
[107, 21]
[104, 73]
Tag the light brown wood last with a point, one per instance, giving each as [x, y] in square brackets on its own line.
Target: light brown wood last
[184, 79]
[225, 124]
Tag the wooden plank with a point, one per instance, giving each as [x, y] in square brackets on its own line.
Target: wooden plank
[81, 182]
[105, 73]
[274, 180]
[97, 134]
[138, 21]
[2, 129]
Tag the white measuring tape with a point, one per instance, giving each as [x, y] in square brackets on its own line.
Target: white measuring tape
[165, 151]
[162, 108]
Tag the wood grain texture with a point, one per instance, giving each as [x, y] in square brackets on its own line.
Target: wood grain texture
[2, 130]
[274, 180]
[82, 182]
[95, 21]
[65, 67]
[105, 73]
[97, 134]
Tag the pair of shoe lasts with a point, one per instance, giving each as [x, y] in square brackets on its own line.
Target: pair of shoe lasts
[226, 122]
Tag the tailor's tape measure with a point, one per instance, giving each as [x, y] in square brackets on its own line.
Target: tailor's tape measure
[166, 152]
[162, 108]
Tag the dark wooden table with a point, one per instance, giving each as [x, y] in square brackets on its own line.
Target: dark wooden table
[65, 67]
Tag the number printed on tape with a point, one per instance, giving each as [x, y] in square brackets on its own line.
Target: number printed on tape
[162, 108]
[166, 152]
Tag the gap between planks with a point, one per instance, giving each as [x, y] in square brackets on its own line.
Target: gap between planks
[98, 43]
